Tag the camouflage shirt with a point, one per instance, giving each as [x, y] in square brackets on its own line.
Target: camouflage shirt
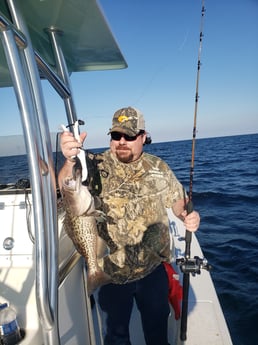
[134, 198]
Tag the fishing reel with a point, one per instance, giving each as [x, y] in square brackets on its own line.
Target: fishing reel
[193, 265]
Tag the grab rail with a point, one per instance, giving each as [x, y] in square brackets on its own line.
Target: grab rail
[54, 35]
[26, 80]
[25, 105]
[45, 69]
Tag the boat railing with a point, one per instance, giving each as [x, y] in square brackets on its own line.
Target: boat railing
[43, 66]
[24, 71]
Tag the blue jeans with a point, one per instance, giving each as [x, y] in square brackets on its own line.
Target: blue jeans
[151, 296]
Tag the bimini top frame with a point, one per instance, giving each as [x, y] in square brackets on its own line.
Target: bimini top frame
[49, 39]
[87, 41]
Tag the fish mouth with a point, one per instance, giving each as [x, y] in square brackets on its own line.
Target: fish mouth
[69, 183]
[73, 182]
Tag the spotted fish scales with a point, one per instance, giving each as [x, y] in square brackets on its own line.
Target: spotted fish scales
[80, 225]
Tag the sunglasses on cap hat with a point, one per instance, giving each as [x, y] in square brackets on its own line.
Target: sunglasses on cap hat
[117, 136]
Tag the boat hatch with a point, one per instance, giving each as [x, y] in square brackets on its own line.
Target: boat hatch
[87, 42]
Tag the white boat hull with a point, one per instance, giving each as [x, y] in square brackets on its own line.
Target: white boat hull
[17, 278]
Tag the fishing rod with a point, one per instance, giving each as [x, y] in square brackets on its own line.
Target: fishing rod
[187, 264]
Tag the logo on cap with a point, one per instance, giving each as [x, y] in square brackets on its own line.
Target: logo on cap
[122, 118]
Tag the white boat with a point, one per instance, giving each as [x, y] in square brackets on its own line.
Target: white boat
[41, 275]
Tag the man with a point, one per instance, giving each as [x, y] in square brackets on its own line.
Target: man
[136, 188]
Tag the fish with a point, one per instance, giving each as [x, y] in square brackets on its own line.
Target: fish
[80, 225]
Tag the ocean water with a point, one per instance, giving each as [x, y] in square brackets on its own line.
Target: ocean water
[225, 192]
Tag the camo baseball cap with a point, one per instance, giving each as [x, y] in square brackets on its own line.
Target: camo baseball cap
[128, 120]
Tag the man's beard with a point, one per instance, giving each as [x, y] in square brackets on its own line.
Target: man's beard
[124, 155]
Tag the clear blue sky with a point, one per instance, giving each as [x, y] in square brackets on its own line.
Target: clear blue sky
[160, 42]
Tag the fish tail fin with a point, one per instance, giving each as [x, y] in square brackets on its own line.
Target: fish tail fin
[97, 279]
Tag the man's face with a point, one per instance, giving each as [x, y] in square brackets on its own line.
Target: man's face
[127, 151]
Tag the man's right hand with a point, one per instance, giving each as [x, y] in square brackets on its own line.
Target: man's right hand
[69, 145]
